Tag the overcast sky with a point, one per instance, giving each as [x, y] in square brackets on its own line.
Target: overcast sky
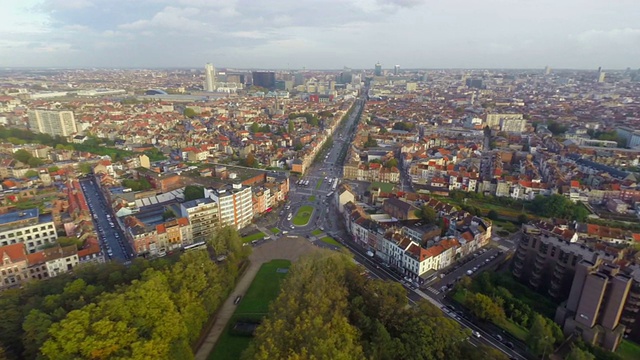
[321, 34]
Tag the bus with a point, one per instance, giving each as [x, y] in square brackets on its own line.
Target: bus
[329, 194]
[335, 184]
[195, 246]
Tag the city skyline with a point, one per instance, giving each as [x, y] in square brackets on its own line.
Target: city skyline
[328, 35]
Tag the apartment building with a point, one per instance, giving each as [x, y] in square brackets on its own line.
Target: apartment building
[27, 227]
[52, 122]
[13, 265]
[235, 204]
[494, 120]
[595, 304]
[549, 262]
[174, 234]
[203, 215]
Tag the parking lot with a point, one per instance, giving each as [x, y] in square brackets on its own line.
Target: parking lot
[469, 266]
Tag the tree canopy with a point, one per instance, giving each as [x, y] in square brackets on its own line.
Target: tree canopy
[193, 192]
[558, 206]
[371, 142]
[328, 310]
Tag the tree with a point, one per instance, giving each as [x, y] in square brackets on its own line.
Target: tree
[427, 214]
[35, 162]
[193, 192]
[53, 169]
[391, 163]
[36, 326]
[31, 173]
[484, 308]
[168, 214]
[371, 142]
[22, 155]
[290, 127]
[556, 128]
[540, 338]
[493, 215]
[523, 218]
[254, 128]
[85, 168]
[579, 354]
[189, 112]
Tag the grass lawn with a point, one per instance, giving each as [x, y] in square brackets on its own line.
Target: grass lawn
[330, 241]
[628, 350]
[275, 230]
[312, 198]
[319, 184]
[303, 215]
[255, 236]
[385, 187]
[317, 232]
[255, 303]
[513, 329]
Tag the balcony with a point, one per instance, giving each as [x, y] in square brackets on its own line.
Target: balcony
[553, 292]
[521, 254]
[558, 272]
[517, 272]
[534, 282]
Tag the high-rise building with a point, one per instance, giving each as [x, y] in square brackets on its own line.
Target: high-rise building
[396, 70]
[547, 70]
[265, 79]
[378, 70]
[495, 120]
[203, 217]
[52, 122]
[235, 204]
[595, 304]
[210, 77]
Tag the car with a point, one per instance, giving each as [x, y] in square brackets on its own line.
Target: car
[475, 333]
[237, 300]
[498, 337]
[292, 227]
[469, 272]
[509, 344]
[475, 268]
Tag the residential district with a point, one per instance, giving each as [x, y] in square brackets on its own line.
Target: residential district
[427, 176]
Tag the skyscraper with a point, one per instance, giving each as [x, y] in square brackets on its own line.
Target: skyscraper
[396, 70]
[52, 122]
[210, 77]
[601, 75]
[378, 70]
[265, 79]
[547, 70]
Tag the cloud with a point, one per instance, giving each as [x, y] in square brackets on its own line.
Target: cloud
[620, 36]
[402, 3]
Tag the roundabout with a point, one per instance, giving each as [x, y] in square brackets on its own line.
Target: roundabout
[303, 215]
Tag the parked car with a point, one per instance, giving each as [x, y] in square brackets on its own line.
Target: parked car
[237, 300]
[476, 334]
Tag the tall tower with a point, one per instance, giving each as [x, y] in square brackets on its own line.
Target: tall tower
[378, 70]
[601, 75]
[396, 70]
[210, 77]
[547, 70]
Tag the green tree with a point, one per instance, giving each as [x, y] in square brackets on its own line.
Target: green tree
[579, 354]
[540, 338]
[371, 142]
[168, 214]
[22, 155]
[484, 308]
[189, 112]
[193, 192]
[85, 168]
[35, 326]
[31, 173]
[523, 218]
[53, 169]
[427, 214]
[290, 127]
[255, 127]
[391, 163]
[35, 162]
[493, 215]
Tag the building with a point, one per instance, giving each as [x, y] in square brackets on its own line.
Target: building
[203, 215]
[174, 234]
[396, 70]
[595, 304]
[549, 262]
[209, 77]
[494, 120]
[399, 209]
[378, 70]
[235, 204]
[513, 125]
[27, 227]
[13, 265]
[52, 122]
[265, 79]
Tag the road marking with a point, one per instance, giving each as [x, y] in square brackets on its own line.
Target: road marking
[503, 248]
[433, 290]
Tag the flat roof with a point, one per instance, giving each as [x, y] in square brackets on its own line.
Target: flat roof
[19, 216]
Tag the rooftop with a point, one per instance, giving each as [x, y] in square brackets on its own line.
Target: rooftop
[21, 215]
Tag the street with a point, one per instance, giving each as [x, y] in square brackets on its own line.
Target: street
[112, 239]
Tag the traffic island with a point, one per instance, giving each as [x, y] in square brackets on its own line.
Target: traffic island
[303, 215]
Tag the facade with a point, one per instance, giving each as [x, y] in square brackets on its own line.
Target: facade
[203, 215]
[52, 122]
[494, 120]
[265, 79]
[27, 227]
[511, 125]
[235, 204]
[378, 70]
[174, 234]
[13, 265]
[209, 77]
[595, 304]
[549, 262]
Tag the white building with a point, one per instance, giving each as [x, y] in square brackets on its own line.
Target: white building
[210, 77]
[235, 204]
[27, 227]
[52, 122]
[203, 215]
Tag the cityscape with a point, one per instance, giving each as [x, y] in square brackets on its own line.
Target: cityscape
[375, 179]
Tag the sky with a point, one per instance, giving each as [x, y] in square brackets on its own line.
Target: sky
[320, 34]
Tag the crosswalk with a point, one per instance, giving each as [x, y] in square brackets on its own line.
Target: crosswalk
[503, 248]
[432, 290]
